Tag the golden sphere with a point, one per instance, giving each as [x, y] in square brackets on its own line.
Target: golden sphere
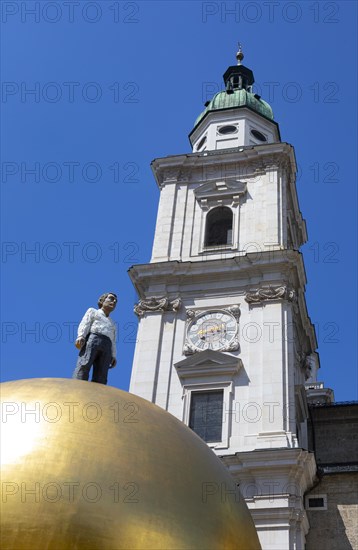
[87, 466]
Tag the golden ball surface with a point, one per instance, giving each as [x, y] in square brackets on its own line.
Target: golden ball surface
[87, 466]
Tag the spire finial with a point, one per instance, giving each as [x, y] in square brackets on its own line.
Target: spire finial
[239, 54]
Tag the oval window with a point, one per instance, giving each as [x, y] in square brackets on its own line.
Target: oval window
[201, 143]
[230, 129]
[258, 135]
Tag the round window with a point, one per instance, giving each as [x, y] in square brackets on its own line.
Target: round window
[257, 135]
[230, 129]
[201, 143]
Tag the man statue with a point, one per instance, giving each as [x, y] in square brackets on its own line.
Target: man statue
[96, 340]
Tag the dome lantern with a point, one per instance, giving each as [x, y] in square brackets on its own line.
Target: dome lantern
[238, 77]
[227, 106]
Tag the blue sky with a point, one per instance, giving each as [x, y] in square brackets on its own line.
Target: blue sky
[117, 84]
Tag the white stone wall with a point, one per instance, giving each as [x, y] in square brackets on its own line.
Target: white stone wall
[165, 219]
[259, 220]
[244, 119]
[260, 408]
[263, 400]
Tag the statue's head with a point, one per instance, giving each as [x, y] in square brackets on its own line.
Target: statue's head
[111, 295]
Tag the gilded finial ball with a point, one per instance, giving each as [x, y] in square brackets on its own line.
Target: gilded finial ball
[89, 466]
[239, 55]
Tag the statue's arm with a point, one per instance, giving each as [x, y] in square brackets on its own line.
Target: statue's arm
[84, 327]
[114, 347]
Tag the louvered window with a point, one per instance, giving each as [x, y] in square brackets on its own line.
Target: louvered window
[206, 411]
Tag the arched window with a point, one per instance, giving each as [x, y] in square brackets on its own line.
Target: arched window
[218, 227]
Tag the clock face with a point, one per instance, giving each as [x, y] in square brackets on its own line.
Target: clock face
[212, 330]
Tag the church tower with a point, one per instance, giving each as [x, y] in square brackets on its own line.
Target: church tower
[224, 342]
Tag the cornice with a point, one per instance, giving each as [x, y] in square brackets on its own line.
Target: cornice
[259, 158]
[238, 111]
[208, 363]
[281, 270]
[228, 188]
[338, 468]
[267, 462]
[248, 266]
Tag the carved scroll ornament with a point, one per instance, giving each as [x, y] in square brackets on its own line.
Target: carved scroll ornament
[271, 293]
[234, 345]
[156, 304]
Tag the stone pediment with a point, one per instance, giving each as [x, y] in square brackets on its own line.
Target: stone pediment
[208, 363]
[227, 188]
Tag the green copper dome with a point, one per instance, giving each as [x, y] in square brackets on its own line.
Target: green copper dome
[237, 98]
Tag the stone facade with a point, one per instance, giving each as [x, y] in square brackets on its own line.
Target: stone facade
[335, 528]
[333, 434]
[261, 273]
[256, 183]
[250, 286]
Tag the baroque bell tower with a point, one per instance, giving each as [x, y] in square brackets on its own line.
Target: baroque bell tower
[224, 342]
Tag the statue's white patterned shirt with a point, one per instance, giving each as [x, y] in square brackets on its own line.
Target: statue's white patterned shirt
[95, 320]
